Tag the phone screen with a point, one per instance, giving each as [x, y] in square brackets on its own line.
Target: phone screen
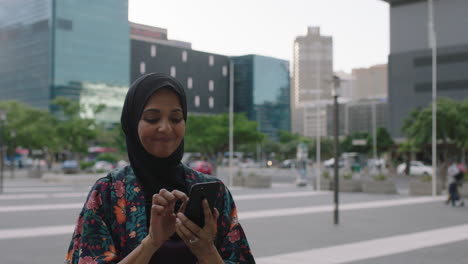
[198, 192]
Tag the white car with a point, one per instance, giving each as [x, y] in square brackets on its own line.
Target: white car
[416, 168]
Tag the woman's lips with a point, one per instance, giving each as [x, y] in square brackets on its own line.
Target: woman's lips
[163, 139]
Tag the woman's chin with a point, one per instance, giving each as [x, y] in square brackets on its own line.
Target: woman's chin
[161, 154]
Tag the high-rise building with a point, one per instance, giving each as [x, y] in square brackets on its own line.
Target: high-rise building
[261, 90]
[204, 75]
[312, 82]
[76, 49]
[155, 35]
[410, 61]
[370, 82]
[347, 85]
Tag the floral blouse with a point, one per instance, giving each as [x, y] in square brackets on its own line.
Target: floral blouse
[112, 222]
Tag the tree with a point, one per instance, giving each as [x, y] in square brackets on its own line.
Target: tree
[408, 147]
[418, 128]
[75, 132]
[209, 134]
[34, 128]
[461, 131]
[347, 143]
[327, 150]
[384, 140]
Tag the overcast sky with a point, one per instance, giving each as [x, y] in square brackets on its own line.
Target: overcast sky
[360, 28]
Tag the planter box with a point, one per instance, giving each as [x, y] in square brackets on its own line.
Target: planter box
[238, 180]
[257, 181]
[463, 190]
[384, 187]
[418, 187]
[349, 185]
[34, 173]
[252, 181]
[325, 184]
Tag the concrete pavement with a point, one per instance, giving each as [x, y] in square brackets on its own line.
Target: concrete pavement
[284, 224]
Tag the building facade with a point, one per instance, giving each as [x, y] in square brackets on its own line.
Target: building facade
[410, 63]
[358, 116]
[262, 90]
[370, 82]
[48, 48]
[205, 76]
[312, 83]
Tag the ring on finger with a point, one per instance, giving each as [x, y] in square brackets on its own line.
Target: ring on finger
[193, 240]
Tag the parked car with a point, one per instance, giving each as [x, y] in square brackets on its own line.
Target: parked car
[202, 166]
[288, 163]
[70, 166]
[416, 168]
[331, 163]
[103, 166]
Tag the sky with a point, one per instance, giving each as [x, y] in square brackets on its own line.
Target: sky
[360, 28]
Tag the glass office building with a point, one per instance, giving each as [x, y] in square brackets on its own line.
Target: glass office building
[51, 48]
[262, 91]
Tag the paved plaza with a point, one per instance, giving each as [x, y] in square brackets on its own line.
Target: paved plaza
[284, 224]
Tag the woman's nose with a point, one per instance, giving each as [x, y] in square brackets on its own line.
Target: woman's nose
[165, 126]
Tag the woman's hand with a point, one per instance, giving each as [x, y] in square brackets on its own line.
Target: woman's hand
[162, 223]
[200, 240]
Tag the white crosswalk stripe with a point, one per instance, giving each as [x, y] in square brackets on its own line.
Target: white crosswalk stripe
[372, 248]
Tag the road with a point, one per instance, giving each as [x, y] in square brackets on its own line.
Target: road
[284, 224]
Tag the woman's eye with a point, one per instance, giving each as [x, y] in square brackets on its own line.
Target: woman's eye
[176, 120]
[151, 120]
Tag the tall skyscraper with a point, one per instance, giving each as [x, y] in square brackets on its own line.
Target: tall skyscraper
[312, 82]
[76, 49]
[261, 90]
[410, 60]
[370, 82]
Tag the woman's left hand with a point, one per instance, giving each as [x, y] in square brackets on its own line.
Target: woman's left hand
[199, 240]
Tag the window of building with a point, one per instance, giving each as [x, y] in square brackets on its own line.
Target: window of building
[153, 50]
[211, 85]
[173, 71]
[184, 56]
[211, 102]
[142, 67]
[189, 83]
[197, 101]
[225, 70]
[211, 60]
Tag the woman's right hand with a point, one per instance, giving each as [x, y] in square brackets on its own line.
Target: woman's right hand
[163, 218]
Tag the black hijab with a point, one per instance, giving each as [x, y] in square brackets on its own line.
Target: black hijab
[154, 173]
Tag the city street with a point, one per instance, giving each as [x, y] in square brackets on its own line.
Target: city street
[284, 224]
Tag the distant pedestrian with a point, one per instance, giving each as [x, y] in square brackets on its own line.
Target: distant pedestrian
[456, 174]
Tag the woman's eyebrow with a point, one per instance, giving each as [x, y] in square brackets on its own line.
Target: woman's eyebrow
[152, 110]
[159, 111]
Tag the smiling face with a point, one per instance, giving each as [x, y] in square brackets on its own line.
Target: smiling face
[162, 126]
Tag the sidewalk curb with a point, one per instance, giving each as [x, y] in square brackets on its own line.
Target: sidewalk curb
[71, 178]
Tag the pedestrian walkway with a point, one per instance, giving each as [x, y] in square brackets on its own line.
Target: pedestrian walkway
[372, 248]
[284, 224]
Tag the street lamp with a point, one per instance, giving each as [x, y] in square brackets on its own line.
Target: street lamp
[3, 117]
[335, 94]
[433, 46]
[13, 150]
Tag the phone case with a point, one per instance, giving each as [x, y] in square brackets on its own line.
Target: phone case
[198, 192]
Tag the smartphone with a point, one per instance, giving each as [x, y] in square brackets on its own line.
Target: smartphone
[198, 192]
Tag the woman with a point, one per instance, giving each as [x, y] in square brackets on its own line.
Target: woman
[129, 214]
